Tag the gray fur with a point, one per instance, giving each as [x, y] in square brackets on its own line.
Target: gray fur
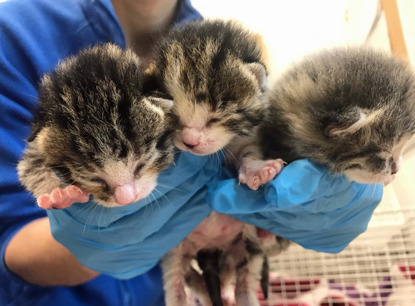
[346, 108]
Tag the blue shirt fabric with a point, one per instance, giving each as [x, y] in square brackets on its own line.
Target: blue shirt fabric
[34, 36]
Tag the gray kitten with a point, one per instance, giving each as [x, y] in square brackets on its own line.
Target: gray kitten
[96, 133]
[351, 109]
[214, 72]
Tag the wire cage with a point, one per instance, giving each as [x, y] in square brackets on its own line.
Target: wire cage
[377, 269]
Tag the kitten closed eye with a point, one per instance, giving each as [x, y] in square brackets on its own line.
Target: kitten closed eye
[354, 166]
[212, 121]
[138, 168]
[100, 181]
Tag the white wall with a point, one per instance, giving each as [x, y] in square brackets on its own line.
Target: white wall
[294, 28]
[407, 12]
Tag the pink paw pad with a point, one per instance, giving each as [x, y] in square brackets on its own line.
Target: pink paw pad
[255, 173]
[61, 198]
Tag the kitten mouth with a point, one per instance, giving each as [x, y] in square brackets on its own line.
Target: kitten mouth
[194, 151]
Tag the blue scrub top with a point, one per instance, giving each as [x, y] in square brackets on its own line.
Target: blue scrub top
[34, 36]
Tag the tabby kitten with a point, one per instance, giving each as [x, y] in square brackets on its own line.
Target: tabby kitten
[96, 133]
[351, 109]
[214, 72]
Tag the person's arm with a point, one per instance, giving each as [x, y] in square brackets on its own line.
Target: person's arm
[34, 255]
[32, 44]
[29, 31]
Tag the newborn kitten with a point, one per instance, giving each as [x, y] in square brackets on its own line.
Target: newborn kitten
[350, 109]
[215, 75]
[95, 133]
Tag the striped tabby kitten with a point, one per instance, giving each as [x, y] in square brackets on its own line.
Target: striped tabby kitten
[95, 133]
[214, 73]
[350, 109]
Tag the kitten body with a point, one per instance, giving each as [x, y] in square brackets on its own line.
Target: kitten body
[350, 109]
[96, 133]
[213, 71]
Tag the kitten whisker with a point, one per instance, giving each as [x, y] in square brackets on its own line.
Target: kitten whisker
[89, 218]
[84, 209]
[171, 187]
[163, 196]
[230, 154]
[145, 207]
[154, 204]
[99, 219]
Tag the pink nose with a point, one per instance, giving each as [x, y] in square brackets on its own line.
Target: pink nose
[190, 137]
[125, 194]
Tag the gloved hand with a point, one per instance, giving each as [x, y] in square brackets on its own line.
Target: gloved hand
[127, 241]
[304, 203]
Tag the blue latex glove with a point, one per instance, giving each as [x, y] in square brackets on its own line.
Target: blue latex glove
[304, 203]
[127, 241]
[318, 210]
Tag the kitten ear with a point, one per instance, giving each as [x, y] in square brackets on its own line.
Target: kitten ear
[164, 104]
[348, 124]
[260, 73]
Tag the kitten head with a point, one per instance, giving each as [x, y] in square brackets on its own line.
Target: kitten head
[350, 109]
[214, 73]
[98, 132]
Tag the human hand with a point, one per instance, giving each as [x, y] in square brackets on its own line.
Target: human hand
[304, 203]
[127, 241]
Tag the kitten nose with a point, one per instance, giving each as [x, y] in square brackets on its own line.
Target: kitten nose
[190, 137]
[394, 167]
[125, 194]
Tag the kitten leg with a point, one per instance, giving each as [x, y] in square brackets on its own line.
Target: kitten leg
[34, 174]
[173, 265]
[196, 283]
[244, 259]
[61, 198]
[43, 183]
[254, 171]
[208, 261]
[246, 282]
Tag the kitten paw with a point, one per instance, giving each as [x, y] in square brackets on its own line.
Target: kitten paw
[255, 173]
[61, 198]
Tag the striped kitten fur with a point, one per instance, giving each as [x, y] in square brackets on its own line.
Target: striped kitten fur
[96, 133]
[351, 109]
[214, 72]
